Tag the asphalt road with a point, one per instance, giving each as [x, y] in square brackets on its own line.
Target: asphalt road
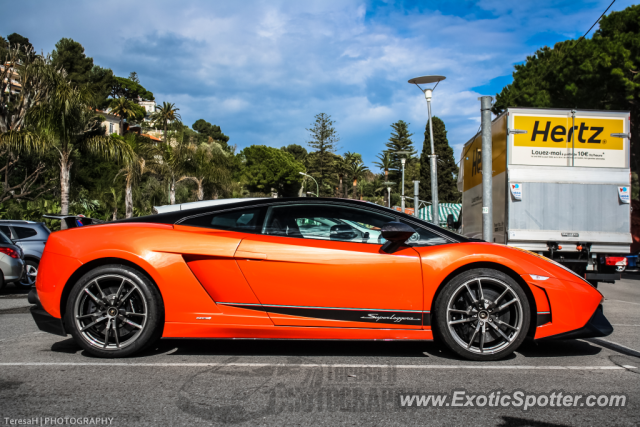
[243, 382]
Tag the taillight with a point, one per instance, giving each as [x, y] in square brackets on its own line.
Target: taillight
[11, 252]
[615, 260]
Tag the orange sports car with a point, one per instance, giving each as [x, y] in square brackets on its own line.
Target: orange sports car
[302, 268]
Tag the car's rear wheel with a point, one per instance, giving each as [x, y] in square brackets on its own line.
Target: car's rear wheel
[114, 311]
[29, 277]
[482, 314]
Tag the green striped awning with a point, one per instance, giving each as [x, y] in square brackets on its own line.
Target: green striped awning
[444, 209]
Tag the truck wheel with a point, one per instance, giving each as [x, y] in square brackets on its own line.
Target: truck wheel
[482, 314]
[114, 311]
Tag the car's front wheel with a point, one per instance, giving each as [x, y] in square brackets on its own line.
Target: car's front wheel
[482, 314]
[114, 311]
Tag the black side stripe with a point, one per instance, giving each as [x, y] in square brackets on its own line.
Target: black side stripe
[344, 314]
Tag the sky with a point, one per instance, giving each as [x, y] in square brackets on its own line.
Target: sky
[262, 70]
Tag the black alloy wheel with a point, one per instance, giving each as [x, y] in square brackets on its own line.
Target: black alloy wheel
[114, 311]
[482, 314]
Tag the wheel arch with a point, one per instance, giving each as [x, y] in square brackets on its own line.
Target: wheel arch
[495, 266]
[32, 258]
[85, 268]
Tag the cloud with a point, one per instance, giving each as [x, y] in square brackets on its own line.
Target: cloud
[262, 70]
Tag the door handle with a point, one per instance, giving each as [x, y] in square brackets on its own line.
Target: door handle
[250, 255]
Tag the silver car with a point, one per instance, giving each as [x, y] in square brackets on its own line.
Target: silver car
[11, 261]
[31, 236]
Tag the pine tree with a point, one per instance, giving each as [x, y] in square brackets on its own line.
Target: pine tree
[324, 140]
[400, 140]
[447, 168]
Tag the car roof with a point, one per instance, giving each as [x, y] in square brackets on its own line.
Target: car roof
[18, 221]
[200, 204]
[174, 216]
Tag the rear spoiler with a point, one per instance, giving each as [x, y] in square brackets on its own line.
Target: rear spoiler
[73, 221]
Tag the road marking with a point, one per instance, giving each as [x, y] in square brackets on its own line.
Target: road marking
[313, 365]
[626, 302]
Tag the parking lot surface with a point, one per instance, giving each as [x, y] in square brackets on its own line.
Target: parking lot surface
[259, 382]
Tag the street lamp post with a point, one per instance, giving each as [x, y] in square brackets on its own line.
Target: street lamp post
[388, 185]
[428, 93]
[403, 160]
[317, 187]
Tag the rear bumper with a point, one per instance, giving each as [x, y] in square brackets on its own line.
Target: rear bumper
[597, 326]
[45, 321]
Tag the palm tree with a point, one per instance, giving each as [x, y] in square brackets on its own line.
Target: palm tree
[35, 74]
[385, 163]
[207, 163]
[143, 151]
[164, 115]
[122, 108]
[66, 117]
[174, 161]
[356, 169]
[341, 166]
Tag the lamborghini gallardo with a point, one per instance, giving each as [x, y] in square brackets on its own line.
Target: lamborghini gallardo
[302, 268]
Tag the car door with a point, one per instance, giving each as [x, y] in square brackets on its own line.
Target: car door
[321, 265]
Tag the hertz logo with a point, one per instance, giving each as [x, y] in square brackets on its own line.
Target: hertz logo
[558, 132]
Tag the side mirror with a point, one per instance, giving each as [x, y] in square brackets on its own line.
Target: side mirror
[450, 221]
[396, 233]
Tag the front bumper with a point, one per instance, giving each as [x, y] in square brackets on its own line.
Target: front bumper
[597, 326]
[44, 321]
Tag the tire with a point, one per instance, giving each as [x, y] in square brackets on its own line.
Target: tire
[114, 298]
[467, 319]
[29, 276]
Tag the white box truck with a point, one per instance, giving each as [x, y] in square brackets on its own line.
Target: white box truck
[561, 187]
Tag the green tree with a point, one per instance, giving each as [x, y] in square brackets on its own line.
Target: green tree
[207, 164]
[126, 88]
[69, 124]
[447, 168]
[400, 140]
[266, 168]
[69, 55]
[101, 80]
[143, 155]
[297, 151]
[324, 140]
[385, 163]
[341, 168]
[17, 137]
[16, 40]
[174, 161]
[212, 131]
[124, 109]
[601, 73]
[356, 171]
[164, 115]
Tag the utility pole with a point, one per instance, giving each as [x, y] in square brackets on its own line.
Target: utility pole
[416, 201]
[487, 169]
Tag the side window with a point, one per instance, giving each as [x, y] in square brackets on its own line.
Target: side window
[326, 222]
[424, 237]
[6, 230]
[4, 239]
[24, 232]
[244, 220]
